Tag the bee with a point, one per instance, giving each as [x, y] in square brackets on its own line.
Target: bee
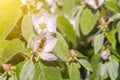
[97, 2]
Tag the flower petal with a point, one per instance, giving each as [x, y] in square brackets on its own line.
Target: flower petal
[100, 2]
[50, 43]
[33, 44]
[44, 18]
[39, 5]
[36, 24]
[94, 4]
[43, 12]
[51, 22]
[53, 8]
[105, 54]
[91, 3]
[47, 56]
[50, 2]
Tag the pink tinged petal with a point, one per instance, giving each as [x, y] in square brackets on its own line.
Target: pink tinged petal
[102, 22]
[6, 67]
[33, 44]
[93, 4]
[105, 55]
[100, 2]
[40, 37]
[37, 20]
[43, 12]
[72, 53]
[44, 17]
[50, 43]
[36, 23]
[39, 5]
[47, 56]
[51, 23]
[53, 8]
[72, 21]
[50, 2]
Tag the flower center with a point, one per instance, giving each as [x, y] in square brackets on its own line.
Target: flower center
[42, 25]
[41, 44]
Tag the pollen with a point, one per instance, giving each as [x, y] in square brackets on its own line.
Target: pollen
[42, 25]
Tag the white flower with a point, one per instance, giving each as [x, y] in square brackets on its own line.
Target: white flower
[94, 3]
[44, 22]
[27, 1]
[105, 54]
[53, 8]
[34, 43]
[39, 5]
[44, 44]
[50, 2]
[52, 5]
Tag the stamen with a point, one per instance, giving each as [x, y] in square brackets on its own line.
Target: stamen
[42, 25]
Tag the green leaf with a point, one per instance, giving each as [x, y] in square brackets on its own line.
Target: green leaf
[95, 65]
[66, 28]
[46, 73]
[115, 52]
[98, 42]
[115, 58]
[111, 37]
[113, 67]
[60, 2]
[88, 20]
[74, 73]
[3, 44]
[52, 73]
[27, 28]
[111, 5]
[27, 72]
[79, 54]
[67, 6]
[77, 22]
[8, 16]
[118, 30]
[13, 77]
[86, 64]
[14, 47]
[18, 69]
[118, 3]
[61, 49]
[2, 78]
[103, 71]
[114, 17]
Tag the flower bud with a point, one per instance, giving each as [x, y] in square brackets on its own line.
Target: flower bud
[72, 54]
[105, 54]
[6, 67]
[102, 22]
